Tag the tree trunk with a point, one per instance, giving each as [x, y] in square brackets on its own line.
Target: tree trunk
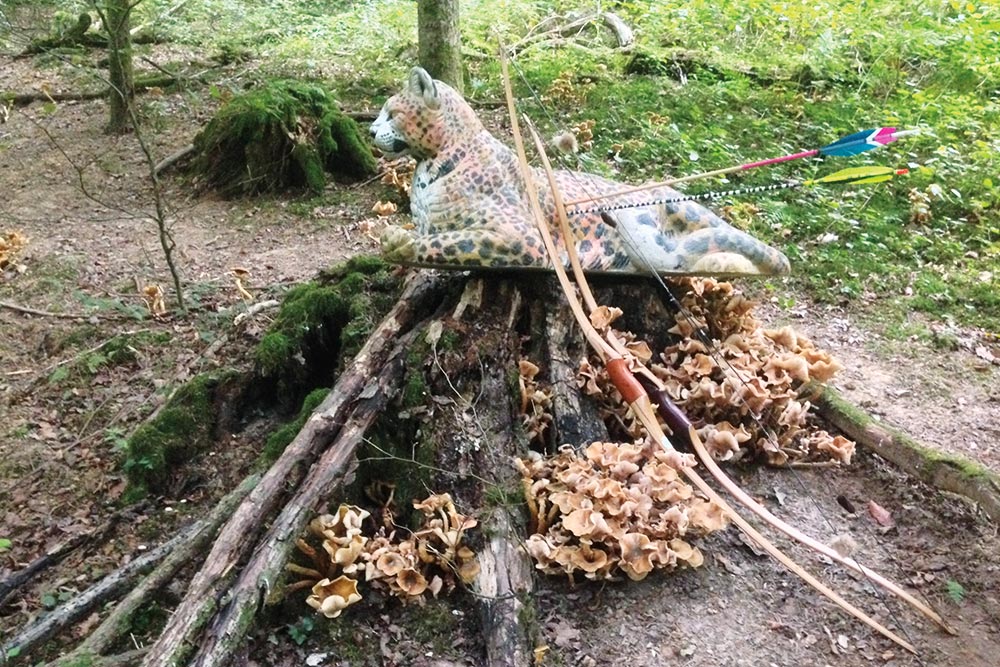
[120, 74]
[440, 40]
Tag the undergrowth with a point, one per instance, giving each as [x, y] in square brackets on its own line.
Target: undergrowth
[710, 84]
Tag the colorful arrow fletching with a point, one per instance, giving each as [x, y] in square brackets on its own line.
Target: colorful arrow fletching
[859, 142]
[854, 175]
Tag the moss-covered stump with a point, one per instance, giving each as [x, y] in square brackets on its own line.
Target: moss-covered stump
[283, 134]
[321, 325]
[183, 429]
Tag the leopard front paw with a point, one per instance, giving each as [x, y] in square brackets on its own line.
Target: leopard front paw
[398, 244]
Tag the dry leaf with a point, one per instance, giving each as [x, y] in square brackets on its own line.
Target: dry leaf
[880, 514]
[384, 208]
[603, 316]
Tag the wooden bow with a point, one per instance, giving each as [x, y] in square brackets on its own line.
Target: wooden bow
[629, 376]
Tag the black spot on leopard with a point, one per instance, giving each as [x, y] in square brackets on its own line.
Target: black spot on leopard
[697, 245]
[666, 243]
[466, 246]
[646, 219]
[692, 213]
[585, 246]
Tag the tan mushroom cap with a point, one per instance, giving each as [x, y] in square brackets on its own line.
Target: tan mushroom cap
[411, 581]
[637, 553]
[330, 598]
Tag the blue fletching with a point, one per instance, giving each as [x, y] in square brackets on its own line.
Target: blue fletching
[859, 142]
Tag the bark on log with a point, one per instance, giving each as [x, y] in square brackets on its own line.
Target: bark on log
[947, 472]
[259, 578]
[111, 629]
[484, 354]
[573, 423]
[33, 635]
[504, 584]
[25, 574]
[236, 538]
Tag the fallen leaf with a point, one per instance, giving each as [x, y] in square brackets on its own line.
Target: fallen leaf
[880, 514]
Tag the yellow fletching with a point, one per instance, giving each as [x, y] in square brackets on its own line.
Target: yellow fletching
[856, 175]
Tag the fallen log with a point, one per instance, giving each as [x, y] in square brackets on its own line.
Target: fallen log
[236, 538]
[17, 579]
[35, 634]
[947, 472]
[258, 582]
[484, 322]
[110, 630]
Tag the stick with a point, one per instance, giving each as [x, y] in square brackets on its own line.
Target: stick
[947, 472]
[233, 543]
[258, 583]
[108, 632]
[30, 637]
[25, 574]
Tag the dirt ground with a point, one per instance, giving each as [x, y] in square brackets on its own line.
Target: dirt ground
[58, 464]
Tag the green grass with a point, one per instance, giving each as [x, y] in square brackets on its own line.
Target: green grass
[718, 83]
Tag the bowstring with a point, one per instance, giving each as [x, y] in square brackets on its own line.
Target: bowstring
[720, 359]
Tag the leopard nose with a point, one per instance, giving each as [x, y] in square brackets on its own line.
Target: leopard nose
[371, 131]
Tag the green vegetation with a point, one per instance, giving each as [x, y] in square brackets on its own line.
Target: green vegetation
[182, 430]
[955, 590]
[322, 324]
[277, 441]
[712, 84]
[285, 133]
[709, 84]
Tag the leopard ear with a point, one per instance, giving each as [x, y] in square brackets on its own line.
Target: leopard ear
[422, 84]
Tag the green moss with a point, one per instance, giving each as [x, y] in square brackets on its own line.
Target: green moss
[183, 429]
[930, 458]
[321, 324]
[285, 133]
[281, 438]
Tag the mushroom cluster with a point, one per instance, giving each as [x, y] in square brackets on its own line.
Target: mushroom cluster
[758, 381]
[11, 244]
[430, 558]
[425, 561]
[536, 402]
[398, 173]
[617, 508]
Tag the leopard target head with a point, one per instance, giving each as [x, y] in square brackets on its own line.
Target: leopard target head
[424, 119]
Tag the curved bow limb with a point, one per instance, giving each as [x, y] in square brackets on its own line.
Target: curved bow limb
[687, 429]
[637, 398]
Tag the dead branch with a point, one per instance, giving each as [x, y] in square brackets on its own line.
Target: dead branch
[102, 638]
[35, 634]
[550, 31]
[17, 308]
[947, 472]
[235, 539]
[53, 556]
[173, 159]
[24, 99]
[258, 583]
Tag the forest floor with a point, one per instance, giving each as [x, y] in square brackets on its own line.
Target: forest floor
[64, 407]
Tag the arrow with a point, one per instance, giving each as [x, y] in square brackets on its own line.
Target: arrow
[852, 144]
[849, 176]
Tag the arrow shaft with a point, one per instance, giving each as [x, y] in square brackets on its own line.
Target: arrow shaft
[852, 144]
[776, 160]
[703, 196]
